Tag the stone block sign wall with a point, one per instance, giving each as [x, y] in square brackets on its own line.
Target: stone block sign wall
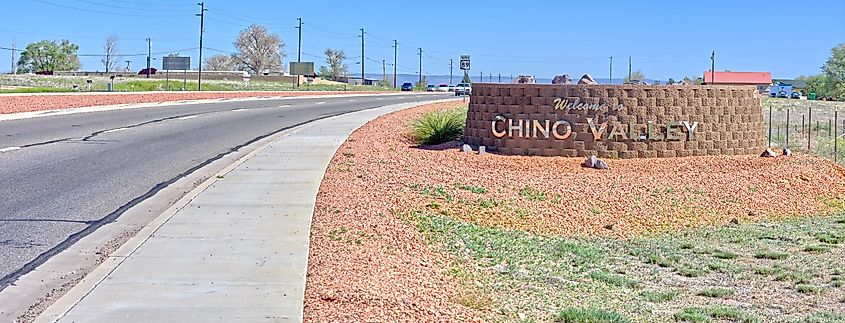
[616, 121]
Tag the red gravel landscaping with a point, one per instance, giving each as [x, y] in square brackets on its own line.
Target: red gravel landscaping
[28, 103]
[368, 264]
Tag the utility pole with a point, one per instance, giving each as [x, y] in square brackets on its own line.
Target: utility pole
[713, 67]
[14, 64]
[611, 69]
[395, 48]
[451, 66]
[420, 65]
[500, 78]
[384, 70]
[481, 77]
[202, 30]
[629, 68]
[363, 78]
[299, 48]
[149, 55]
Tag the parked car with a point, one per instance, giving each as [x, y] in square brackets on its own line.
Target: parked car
[144, 71]
[443, 88]
[795, 95]
[407, 86]
[463, 89]
[782, 94]
[430, 88]
[451, 88]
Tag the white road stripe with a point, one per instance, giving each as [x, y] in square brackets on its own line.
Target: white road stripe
[379, 98]
[401, 97]
[8, 149]
[186, 117]
[352, 100]
[115, 130]
[285, 106]
[321, 102]
[241, 109]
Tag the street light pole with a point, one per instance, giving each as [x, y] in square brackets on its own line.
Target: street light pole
[421, 78]
[395, 48]
[611, 70]
[363, 78]
[451, 67]
[299, 48]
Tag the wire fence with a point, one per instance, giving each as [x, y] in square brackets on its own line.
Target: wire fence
[807, 128]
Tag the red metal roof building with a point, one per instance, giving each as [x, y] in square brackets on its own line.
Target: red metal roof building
[761, 79]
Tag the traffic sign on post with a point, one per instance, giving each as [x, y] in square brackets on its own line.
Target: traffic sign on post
[465, 62]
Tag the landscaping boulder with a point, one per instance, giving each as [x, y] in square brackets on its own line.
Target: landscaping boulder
[525, 79]
[787, 152]
[562, 79]
[595, 162]
[482, 150]
[587, 79]
[768, 153]
[466, 148]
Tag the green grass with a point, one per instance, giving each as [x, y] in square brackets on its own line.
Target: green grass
[724, 254]
[716, 292]
[532, 194]
[808, 289]
[767, 271]
[37, 90]
[831, 238]
[474, 189]
[708, 314]
[437, 127]
[659, 297]
[817, 248]
[824, 317]
[613, 279]
[591, 315]
[771, 255]
[689, 271]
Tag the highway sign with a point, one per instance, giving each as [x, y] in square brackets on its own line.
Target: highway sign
[465, 62]
[176, 63]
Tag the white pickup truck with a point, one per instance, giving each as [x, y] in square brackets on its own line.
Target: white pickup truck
[463, 89]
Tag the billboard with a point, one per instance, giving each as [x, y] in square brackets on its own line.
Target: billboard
[302, 68]
[175, 63]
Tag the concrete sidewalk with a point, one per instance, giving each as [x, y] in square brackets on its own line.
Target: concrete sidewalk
[234, 249]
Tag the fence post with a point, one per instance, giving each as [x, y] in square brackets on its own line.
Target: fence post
[802, 123]
[835, 138]
[809, 130]
[770, 126]
[787, 128]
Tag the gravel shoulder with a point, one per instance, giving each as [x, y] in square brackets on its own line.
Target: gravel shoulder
[405, 233]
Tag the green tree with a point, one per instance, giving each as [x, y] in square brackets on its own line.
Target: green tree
[671, 81]
[337, 68]
[49, 56]
[656, 82]
[466, 78]
[421, 84]
[834, 71]
[635, 76]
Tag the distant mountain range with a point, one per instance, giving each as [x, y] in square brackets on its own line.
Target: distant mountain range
[444, 79]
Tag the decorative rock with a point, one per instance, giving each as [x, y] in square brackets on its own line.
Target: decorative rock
[466, 148]
[482, 150]
[768, 153]
[600, 164]
[562, 79]
[587, 79]
[525, 79]
[590, 162]
[787, 152]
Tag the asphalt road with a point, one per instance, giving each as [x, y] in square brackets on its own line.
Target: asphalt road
[74, 172]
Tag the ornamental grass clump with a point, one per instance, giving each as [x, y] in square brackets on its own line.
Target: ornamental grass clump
[437, 127]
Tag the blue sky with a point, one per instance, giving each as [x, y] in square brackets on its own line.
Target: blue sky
[542, 38]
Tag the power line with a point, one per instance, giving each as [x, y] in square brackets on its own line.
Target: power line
[103, 12]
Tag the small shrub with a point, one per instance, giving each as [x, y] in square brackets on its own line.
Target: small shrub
[592, 315]
[613, 279]
[767, 271]
[440, 126]
[771, 255]
[716, 292]
[824, 317]
[659, 297]
[698, 314]
[831, 238]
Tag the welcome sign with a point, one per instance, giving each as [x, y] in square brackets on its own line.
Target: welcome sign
[615, 121]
